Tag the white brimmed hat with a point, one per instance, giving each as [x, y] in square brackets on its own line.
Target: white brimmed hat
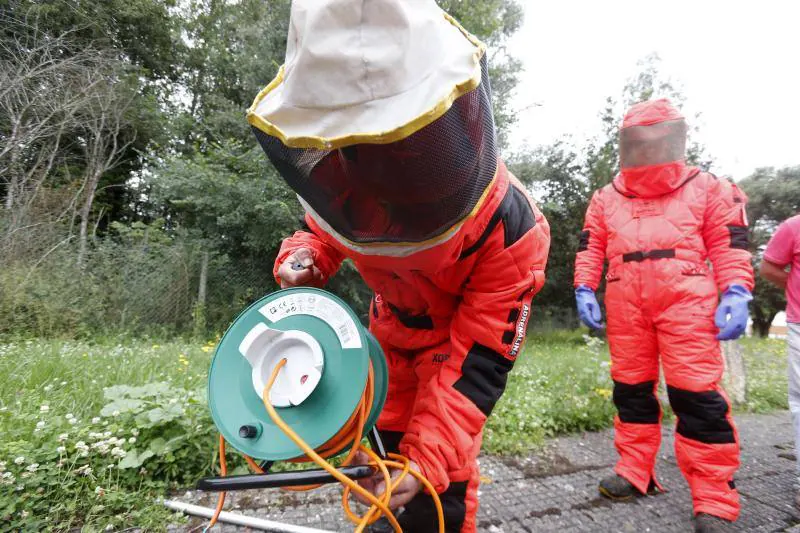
[366, 71]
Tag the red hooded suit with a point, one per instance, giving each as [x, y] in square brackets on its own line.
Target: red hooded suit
[674, 236]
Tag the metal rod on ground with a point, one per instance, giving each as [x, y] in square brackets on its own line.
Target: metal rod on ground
[240, 520]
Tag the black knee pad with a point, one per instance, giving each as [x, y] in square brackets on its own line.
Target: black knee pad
[702, 416]
[637, 404]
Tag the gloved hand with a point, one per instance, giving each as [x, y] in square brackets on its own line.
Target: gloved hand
[298, 270]
[588, 308]
[732, 313]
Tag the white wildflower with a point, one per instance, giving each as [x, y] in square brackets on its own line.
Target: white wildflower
[85, 470]
[24, 514]
[44, 408]
[118, 452]
[96, 420]
[135, 432]
[25, 475]
[100, 491]
[40, 424]
[107, 434]
[61, 449]
[131, 440]
[2, 466]
[63, 383]
[19, 460]
[33, 467]
[115, 414]
[73, 421]
[19, 488]
[48, 388]
[63, 437]
[69, 416]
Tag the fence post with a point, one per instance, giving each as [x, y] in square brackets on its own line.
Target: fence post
[199, 312]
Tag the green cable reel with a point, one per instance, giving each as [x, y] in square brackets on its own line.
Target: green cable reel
[328, 352]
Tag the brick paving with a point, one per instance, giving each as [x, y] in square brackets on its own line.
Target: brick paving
[555, 489]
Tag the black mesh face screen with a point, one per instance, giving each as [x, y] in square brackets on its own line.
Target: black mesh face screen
[411, 190]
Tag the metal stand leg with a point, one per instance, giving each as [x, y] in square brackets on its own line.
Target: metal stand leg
[377, 444]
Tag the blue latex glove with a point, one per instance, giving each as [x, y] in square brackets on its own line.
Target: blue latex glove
[588, 308]
[732, 313]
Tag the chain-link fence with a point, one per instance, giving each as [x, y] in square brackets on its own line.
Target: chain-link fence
[159, 285]
[174, 287]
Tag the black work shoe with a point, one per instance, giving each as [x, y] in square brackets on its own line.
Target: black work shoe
[617, 487]
[708, 523]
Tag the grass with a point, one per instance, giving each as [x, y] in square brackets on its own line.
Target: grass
[56, 394]
[767, 377]
[68, 444]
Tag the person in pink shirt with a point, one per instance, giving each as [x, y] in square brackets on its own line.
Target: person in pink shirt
[783, 251]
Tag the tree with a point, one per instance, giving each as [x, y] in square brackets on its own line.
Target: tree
[40, 96]
[234, 49]
[555, 173]
[494, 22]
[774, 196]
[103, 135]
[140, 32]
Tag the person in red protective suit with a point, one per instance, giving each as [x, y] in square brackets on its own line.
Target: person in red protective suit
[659, 223]
[395, 162]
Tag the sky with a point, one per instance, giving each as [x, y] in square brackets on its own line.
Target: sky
[737, 63]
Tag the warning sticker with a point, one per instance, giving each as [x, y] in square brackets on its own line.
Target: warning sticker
[320, 306]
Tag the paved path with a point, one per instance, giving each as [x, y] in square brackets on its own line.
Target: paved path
[556, 490]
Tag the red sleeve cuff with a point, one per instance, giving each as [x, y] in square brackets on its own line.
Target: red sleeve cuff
[433, 473]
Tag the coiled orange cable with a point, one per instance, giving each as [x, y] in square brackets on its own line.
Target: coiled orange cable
[350, 435]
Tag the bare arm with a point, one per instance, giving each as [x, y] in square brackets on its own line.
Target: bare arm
[773, 273]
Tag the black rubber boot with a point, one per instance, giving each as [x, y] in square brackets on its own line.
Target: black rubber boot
[617, 487]
[708, 523]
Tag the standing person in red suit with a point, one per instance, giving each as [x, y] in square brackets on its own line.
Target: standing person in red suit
[659, 224]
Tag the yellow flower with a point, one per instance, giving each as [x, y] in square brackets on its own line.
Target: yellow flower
[605, 393]
[207, 348]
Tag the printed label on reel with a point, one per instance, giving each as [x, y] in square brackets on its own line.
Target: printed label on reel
[319, 306]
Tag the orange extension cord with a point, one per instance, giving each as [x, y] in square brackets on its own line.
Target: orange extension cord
[350, 435]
